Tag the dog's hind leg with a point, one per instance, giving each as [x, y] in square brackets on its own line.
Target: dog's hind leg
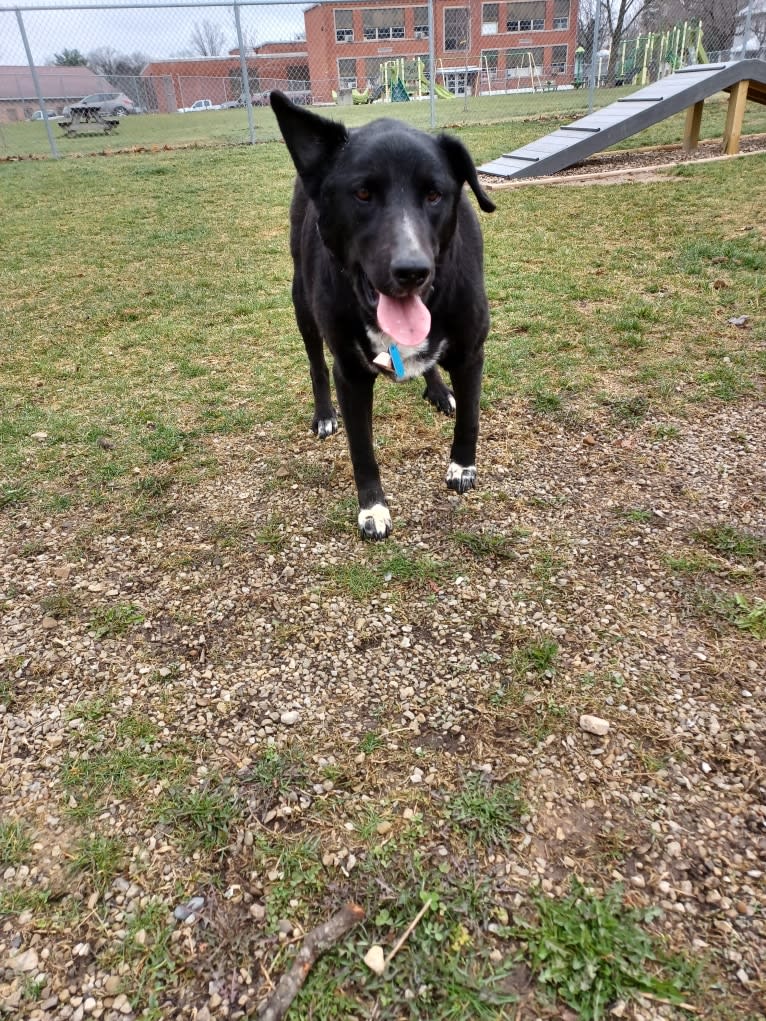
[325, 421]
[438, 393]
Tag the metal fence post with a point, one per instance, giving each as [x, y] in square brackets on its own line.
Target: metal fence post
[746, 31]
[38, 87]
[431, 64]
[245, 77]
[594, 56]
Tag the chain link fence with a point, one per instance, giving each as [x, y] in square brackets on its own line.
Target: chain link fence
[183, 73]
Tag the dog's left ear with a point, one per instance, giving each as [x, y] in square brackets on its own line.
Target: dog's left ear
[464, 170]
[312, 141]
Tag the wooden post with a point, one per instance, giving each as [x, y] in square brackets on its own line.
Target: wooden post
[692, 128]
[734, 115]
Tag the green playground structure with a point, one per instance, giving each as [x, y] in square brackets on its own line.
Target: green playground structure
[439, 90]
[674, 47]
[401, 83]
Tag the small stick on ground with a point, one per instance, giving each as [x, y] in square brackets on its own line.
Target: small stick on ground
[407, 931]
[315, 944]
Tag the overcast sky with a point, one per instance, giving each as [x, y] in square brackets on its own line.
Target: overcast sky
[156, 32]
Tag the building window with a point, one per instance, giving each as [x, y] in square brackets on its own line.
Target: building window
[560, 14]
[344, 26]
[456, 28]
[526, 17]
[421, 23]
[347, 72]
[489, 60]
[523, 63]
[559, 60]
[490, 14]
[383, 24]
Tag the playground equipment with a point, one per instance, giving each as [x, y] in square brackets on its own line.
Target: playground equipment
[687, 89]
[662, 51]
[439, 90]
[529, 63]
[401, 82]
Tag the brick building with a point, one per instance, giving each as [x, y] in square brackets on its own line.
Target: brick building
[178, 82]
[481, 47]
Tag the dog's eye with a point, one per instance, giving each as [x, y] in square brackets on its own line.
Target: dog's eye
[433, 197]
[363, 194]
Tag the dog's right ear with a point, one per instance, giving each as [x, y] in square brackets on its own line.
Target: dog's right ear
[312, 141]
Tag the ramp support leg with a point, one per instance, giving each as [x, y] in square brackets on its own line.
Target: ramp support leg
[692, 128]
[734, 115]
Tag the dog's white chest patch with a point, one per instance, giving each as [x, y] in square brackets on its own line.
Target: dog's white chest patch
[416, 360]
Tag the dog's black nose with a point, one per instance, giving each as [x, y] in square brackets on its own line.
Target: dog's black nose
[410, 273]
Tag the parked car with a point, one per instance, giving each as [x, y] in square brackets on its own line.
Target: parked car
[52, 115]
[302, 97]
[201, 104]
[113, 104]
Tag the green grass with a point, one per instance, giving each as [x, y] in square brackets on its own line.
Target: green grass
[200, 818]
[590, 951]
[732, 542]
[490, 544]
[113, 621]
[98, 858]
[387, 567]
[120, 769]
[486, 814]
[735, 609]
[204, 337]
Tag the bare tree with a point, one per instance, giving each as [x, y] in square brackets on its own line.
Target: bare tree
[112, 65]
[207, 39]
[718, 18]
[619, 17]
[123, 72]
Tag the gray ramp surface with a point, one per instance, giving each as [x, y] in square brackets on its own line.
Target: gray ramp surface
[576, 141]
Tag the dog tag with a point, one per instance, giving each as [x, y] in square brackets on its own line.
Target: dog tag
[396, 361]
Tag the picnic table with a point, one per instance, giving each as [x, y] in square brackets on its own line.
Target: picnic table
[88, 119]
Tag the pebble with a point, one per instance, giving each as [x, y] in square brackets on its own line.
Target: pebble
[289, 718]
[594, 725]
[375, 959]
[25, 961]
[183, 911]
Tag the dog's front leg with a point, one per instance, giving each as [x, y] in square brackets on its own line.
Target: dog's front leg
[466, 385]
[355, 399]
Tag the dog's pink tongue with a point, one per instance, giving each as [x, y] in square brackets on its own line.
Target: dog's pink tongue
[407, 320]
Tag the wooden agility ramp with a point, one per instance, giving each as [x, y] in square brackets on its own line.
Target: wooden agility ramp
[687, 89]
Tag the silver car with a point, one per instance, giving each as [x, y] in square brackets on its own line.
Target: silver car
[113, 104]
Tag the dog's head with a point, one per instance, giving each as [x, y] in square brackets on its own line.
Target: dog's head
[387, 201]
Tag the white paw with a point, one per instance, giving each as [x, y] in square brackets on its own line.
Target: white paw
[326, 427]
[375, 522]
[461, 479]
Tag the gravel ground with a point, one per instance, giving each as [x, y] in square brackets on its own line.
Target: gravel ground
[250, 637]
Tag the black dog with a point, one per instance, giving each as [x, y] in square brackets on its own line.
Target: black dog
[388, 271]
